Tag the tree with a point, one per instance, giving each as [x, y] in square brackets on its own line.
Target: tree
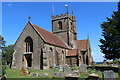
[110, 45]
[8, 54]
[3, 65]
[2, 42]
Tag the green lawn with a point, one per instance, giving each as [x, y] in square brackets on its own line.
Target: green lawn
[16, 73]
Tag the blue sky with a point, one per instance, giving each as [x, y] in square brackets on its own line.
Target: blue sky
[89, 16]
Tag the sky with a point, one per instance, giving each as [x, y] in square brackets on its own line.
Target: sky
[89, 16]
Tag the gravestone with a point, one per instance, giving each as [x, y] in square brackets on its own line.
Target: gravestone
[45, 74]
[67, 70]
[54, 65]
[58, 74]
[60, 68]
[93, 77]
[109, 74]
[35, 74]
[83, 68]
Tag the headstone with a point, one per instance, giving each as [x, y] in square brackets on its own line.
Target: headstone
[83, 68]
[109, 74]
[35, 74]
[72, 77]
[93, 77]
[75, 71]
[67, 70]
[60, 68]
[58, 74]
[45, 74]
[54, 65]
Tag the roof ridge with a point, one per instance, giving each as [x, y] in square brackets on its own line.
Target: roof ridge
[37, 30]
[41, 28]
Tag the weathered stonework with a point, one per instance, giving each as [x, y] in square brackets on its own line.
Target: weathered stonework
[44, 50]
[40, 48]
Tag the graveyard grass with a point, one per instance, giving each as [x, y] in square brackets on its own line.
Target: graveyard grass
[16, 73]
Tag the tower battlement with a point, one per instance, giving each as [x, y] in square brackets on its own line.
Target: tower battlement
[61, 16]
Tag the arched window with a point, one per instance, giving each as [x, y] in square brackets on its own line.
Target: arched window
[62, 55]
[50, 49]
[71, 26]
[60, 25]
[51, 57]
[29, 44]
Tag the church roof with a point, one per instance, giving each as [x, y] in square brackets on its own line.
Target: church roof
[72, 52]
[82, 45]
[49, 37]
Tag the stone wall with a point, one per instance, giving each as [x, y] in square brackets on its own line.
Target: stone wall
[53, 56]
[44, 56]
[68, 31]
[20, 49]
[72, 60]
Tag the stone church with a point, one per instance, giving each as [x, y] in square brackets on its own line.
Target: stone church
[43, 49]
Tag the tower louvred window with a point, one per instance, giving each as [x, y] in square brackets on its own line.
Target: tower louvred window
[60, 25]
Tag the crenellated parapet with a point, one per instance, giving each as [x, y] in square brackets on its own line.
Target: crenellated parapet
[62, 16]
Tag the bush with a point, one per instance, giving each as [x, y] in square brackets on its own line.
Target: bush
[116, 61]
[4, 70]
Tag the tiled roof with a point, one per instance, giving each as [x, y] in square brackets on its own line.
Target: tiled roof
[72, 52]
[82, 45]
[49, 37]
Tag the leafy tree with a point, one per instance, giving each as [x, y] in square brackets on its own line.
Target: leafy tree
[3, 62]
[2, 42]
[116, 61]
[7, 54]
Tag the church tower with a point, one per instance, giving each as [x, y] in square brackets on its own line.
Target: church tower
[64, 26]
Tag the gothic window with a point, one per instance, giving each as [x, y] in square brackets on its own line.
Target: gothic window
[29, 44]
[89, 49]
[71, 23]
[50, 49]
[62, 55]
[75, 37]
[50, 57]
[71, 26]
[83, 56]
[57, 60]
[60, 25]
[41, 60]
